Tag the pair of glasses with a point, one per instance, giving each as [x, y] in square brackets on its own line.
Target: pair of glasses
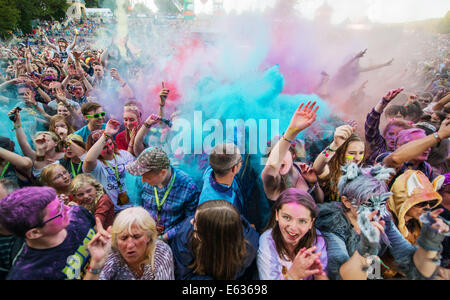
[67, 144]
[96, 116]
[60, 214]
[431, 203]
[425, 100]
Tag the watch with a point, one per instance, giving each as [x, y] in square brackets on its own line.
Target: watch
[436, 135]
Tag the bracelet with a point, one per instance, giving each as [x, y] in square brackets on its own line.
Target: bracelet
[16, 127]
[147, 125]
[107, 136]
[286, 139]
[384, 101]
[436, 135]
[329, 149]
[94, 271]
[313, 188]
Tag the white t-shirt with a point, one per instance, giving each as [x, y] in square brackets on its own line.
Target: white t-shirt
[106, 176]
[270, 264]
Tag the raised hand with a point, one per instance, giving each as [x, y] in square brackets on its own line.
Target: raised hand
[152, 120]
[303, 117]
[361, 54]
[100, 246]
[163, 96]
[112, 127]
[15, 112]
[392, 94]
[438, 224]
[342, 134]
[308, 173]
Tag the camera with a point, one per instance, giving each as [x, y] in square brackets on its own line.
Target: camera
[13, 116]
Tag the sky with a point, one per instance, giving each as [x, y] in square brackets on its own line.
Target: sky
[382, 11]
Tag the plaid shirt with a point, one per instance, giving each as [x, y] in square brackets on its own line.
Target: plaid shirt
[181, 202]
[377, 144]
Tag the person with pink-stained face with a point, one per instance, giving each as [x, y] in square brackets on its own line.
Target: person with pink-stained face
[132, 119]
[378, 142]
[107, 164]
[413, 149]
[56, 235]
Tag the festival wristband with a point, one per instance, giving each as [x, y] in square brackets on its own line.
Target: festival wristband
[286, 139]
[384, 101]
[94, 271]
[436, 135]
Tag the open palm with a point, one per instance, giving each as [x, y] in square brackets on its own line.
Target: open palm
[303, 117]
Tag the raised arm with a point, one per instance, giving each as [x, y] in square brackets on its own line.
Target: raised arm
[415, 148]
[74, 40]
[21, 137]
[441, 103]
[341, 134]
[90, 161]
[139, 146]
[372, 130]
[374, 67]
[21, 163]
[303, 117]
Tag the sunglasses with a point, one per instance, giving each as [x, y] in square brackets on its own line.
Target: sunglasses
[60, 214]
[96, 116]
[431, 203]
[425, 100]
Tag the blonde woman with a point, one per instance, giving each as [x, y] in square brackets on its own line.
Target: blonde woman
[136, 252]
[89, 193]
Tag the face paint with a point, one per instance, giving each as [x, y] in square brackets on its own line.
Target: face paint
[350, 157]
[108, 148]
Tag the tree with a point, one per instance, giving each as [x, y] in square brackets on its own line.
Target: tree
[9, 17]
[91, 3]
[140, 8]
[444, 24]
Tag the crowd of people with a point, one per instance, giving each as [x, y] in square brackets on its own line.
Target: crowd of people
[92, 194]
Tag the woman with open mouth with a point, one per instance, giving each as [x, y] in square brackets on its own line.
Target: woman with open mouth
[291, 248]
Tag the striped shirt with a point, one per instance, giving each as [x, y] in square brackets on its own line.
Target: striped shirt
[377, 144]
[117, 269]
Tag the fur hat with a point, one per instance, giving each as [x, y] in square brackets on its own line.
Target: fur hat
[409, 189]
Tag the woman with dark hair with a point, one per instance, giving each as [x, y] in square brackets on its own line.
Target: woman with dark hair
[215, 244]
[347, 147]
[107, 164]
[291, 247]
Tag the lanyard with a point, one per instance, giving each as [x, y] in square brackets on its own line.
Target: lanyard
[116, 171]
[73, 169]
[158, 204]
[4, 169]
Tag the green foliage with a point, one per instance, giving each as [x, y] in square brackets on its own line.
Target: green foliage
[92, 3]
[444, 24]
[9, 17]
